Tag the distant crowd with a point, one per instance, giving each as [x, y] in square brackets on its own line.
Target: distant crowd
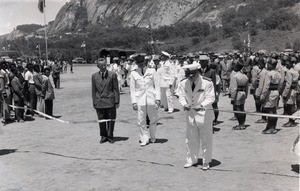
[27, 83]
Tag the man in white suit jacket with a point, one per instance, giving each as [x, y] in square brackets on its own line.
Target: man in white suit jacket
[145, 97]
[196, 95]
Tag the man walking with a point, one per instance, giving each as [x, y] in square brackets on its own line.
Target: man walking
[106, 100]
[145, 97]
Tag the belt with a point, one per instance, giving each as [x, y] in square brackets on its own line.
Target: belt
[241, 88]
[273, 87]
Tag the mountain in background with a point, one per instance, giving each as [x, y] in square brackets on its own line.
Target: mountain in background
[182, 25]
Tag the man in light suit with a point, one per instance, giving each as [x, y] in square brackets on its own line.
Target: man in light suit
[145, 98]
[167, 74]
[106, 99]
[196, 95]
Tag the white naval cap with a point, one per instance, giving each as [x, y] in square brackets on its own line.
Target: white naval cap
[166, 54]
[191, 67]
[203, 57]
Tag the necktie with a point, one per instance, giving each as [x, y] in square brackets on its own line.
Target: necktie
[193, 86]
[142, 71]
[102, 75]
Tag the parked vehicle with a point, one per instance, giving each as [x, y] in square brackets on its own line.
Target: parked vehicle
[79, 60]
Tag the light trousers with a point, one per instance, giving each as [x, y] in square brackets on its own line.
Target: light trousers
[196, 135]
[147, 133]
[167, 98]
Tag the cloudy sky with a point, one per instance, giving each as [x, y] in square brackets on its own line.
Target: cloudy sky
[17, 12]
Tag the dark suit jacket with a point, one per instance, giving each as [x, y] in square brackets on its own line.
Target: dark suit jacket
[105, 92]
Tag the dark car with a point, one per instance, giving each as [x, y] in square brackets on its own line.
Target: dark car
[79, 60]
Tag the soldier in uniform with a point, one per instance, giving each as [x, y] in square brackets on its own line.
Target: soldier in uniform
[239, 92]
[270, 95]
[290, 91]
[196, 95]
[297, 68]
[167, 74]
[145, 97]
[258, 92]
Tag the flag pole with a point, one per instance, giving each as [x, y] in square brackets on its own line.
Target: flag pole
[46, 38]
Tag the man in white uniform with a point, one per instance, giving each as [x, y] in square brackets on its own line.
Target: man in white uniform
[145, 97]
[167, 76]
[196, 95]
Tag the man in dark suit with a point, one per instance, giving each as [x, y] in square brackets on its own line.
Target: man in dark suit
[106, 99]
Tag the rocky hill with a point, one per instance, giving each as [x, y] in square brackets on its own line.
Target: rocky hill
[141, 13]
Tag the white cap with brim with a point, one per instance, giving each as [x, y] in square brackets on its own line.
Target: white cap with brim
[191, 67]
[166, 54]
[203, 57]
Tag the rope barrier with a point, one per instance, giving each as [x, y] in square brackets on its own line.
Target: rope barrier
[295, 116]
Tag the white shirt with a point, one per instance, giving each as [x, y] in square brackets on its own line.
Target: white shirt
[29, 77]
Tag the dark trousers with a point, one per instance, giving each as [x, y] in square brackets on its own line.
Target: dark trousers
[298, 100]
[290, 110]
[272, 121]
[240, 117]
[49, 107]
[107, 128]
[33, 98]
[257, 103]
[215, 106]
[19, 113]
[56, 82]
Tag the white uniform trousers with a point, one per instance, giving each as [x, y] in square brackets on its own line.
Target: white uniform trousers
[167, 98]
[143, 111]
[196, 134]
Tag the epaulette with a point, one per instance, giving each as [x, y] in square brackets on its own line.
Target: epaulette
[206, 78]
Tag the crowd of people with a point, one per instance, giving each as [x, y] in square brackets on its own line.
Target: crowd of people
[198, 79]
[27, 84]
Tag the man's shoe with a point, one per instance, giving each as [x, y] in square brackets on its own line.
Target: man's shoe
[205, 166]
[188, 165]
[111, 141]
[103, 140]
[152, 140]
[144, 143]
[169, 112]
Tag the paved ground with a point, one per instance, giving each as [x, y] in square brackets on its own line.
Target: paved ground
[48, 155]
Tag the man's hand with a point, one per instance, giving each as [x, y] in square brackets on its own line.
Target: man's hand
[134, 106]
[186, 107]
[157, 104]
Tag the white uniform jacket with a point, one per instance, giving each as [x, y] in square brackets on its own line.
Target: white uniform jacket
[202, 96]
[167, 73]
[144, 89]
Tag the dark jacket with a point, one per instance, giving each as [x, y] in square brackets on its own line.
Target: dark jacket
[105, 91]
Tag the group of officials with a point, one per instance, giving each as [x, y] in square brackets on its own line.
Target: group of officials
[197, 80]
[26, 84]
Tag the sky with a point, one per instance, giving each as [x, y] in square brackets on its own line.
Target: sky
[18, 12]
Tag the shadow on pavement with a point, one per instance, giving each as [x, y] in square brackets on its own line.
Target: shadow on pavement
[295, 168]
[213, 162]
[161, 141]
[7, 151]
[121, 139]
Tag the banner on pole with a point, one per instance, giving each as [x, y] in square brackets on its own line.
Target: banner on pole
[41, 5]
